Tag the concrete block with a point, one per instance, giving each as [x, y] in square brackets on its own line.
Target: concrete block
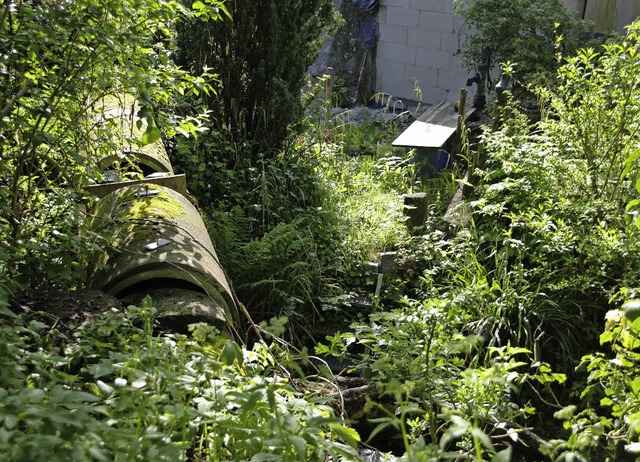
[433, 58]
[382, 15]
[399, 88]
[389, 70]
[392, 34]
[402, 16]
[420, 37]
[456, 65]
[434, 95]
[431, 20]
[398, 3]
[388, 261]
[428, 5]
[415, 209]
[450, 42]
[458, 23]
[448, 6]
[453, 82]
[422, 76]
[396, 52]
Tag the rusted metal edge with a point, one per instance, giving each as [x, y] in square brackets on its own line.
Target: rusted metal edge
[176, 182]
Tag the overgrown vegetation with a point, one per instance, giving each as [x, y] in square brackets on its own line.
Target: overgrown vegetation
[521, 31]
[262, 55]
[109, 389]
[58, 62]
[515, 335]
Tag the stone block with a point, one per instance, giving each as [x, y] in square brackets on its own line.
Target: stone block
[402, 16]
[428, 5]
[415, 209]
[393, 34]
[387, 261]
[423, 38]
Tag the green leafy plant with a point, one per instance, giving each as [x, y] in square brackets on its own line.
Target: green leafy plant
[607, 420]
[521, 32]
[262, 55]
[58, 62]
[439, 380]
[111, 389]
[594, 109]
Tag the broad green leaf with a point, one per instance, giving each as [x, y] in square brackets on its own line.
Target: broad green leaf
[231, 353]
[566, 413]
[300, 445]
[347, 434]
[631, 309]
[633, 448]
[151, 135]
[504, 455]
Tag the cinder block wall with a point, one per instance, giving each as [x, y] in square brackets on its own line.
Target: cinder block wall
[417, 39]
[416, 42]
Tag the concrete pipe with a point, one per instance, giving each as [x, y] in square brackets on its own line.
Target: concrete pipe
[160, 246]
[149, 158]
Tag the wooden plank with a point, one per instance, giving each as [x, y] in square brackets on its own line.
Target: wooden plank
[432, 129]
[176, 182]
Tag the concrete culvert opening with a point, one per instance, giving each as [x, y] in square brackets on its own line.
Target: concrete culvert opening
[178, 303]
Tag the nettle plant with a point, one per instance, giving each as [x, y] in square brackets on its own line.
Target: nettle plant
[112, 389]
[606, 422]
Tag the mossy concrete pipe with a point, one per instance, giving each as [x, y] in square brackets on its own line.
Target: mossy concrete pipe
[160, 245]
[150, 158]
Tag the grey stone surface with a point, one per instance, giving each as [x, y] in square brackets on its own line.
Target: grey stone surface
[345, 52]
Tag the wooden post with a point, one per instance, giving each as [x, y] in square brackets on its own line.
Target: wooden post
[462, 102]
[327, 96]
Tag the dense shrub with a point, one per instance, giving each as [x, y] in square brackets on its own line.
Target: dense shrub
[113, 389]
[58, 59]
[523, 32]
[261, 54]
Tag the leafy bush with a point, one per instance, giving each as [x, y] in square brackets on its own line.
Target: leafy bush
[523, 32]
[606, 422]
[594, 109]
[262, 55]
[436, 376]
[58, 61]
[111, 389]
